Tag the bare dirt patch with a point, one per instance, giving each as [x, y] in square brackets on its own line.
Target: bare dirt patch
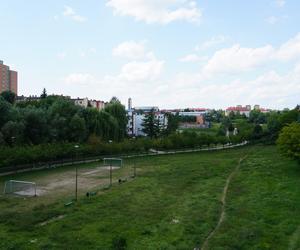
[64, 182]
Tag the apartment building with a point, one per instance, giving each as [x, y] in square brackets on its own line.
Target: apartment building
[8, 79]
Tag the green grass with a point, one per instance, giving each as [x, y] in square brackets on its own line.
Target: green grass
[174, 203]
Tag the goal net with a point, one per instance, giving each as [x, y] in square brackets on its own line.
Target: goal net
[114, 162]
[20, 188]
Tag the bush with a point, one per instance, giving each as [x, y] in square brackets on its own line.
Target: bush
[289, 141]
[119, 243]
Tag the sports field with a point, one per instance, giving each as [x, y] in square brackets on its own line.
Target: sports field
[247, 198]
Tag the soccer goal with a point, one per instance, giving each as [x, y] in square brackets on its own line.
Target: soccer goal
[25, 188]
[114, 162]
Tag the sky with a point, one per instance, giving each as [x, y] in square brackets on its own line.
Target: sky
[166, 53]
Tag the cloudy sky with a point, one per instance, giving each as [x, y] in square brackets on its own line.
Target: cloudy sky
[167, 53]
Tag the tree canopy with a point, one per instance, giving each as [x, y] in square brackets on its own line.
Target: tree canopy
[58, 119]
[289, 140]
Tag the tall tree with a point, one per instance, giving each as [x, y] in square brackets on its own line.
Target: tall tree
[117, 110]
[150, 125]
[77, 128]
[173, 122]
[44, 94]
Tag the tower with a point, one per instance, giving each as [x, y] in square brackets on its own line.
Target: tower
[129, 103]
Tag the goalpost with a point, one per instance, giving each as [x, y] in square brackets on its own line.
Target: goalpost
[20, 188]
[114, 162]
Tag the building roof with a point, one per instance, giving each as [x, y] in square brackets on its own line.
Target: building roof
[241, 109]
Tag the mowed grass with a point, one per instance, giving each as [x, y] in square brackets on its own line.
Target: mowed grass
[174, 203]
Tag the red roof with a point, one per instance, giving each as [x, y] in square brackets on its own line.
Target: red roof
[237, 109]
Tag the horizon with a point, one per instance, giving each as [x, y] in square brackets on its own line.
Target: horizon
[169, 54]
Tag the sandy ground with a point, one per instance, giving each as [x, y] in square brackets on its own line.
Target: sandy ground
[63, 182]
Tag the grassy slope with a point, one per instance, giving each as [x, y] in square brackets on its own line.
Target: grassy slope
[262, 209]
[263, 204]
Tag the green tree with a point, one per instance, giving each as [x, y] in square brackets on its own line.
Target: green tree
[173, 122]
[117, 110]
[77, 128]
[150, 125]
[257, 132]
[273, 124]
[227, 123]
[288, 117]
[9, 96]
[257, 117]
[36, 126]
[13, 132]
[44, 94]
[5, 109]
[289, 140]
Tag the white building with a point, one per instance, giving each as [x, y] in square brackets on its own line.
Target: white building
[239, 109]
[82, 102]
[137, 115]
[85, 102]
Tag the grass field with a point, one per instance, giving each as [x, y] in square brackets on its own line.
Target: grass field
[174, 203]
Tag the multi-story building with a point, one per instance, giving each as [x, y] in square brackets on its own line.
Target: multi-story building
[137, 115]
[239, 109]
[245, 110]
[85, 102]
[97, 104]
[8, 79]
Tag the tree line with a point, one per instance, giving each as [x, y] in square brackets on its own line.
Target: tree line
[56, 119]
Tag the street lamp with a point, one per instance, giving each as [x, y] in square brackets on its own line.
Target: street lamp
[76, 178]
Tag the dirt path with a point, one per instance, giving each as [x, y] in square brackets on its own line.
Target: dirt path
[223, 201]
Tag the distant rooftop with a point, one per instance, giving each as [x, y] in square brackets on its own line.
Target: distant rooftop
[147, 108]
[238, 109]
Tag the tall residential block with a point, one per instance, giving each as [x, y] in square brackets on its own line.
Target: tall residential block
[8, 79]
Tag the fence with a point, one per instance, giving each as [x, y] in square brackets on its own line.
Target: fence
[83, 159]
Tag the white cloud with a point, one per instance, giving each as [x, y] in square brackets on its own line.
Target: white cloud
[237, 58]
[130, 50]
[190, 58]
[211, 42]
[142, 71]
[280, 3]
[144, 81]
[269, 89]
[290, 49]
[272, 20]
[69, 12]
[157, 11]
[79, 78]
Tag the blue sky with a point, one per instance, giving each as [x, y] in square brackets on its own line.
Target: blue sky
[168, 53]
